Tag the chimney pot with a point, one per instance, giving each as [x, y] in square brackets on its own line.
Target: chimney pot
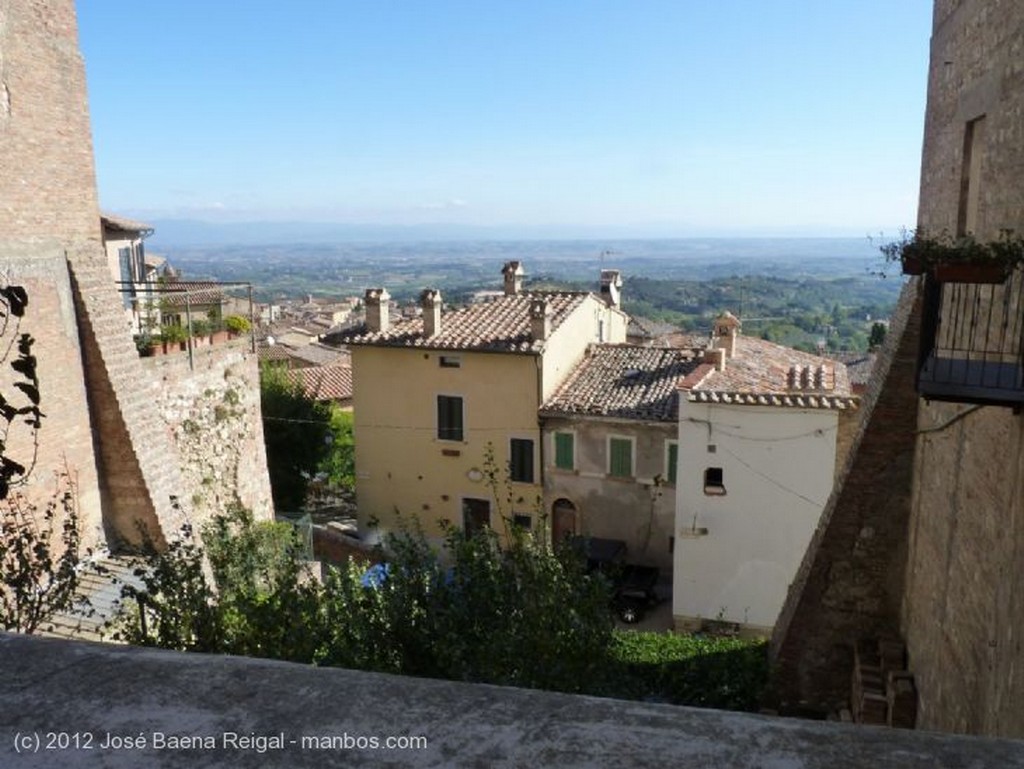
[513, 273]
[540, 319]
[377, 309]
[611, 285]
[430, 301]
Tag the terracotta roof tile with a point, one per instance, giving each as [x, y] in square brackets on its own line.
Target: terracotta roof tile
[626, 382]
[198, 292]
[501, 324]
[325, 383]
[763, 373]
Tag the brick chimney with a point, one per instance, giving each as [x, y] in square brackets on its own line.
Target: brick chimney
[611, 285]
[725, 331]
[513, 273]
[376, 300]
[430, 301]
[716, 357]
[540, 319]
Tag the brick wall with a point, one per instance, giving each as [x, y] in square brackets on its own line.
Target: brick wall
[849, 583]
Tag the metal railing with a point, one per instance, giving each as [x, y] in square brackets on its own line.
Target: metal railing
[144, 290]
[972, 342]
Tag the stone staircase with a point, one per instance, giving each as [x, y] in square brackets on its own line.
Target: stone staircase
[141, 477]
[97, 599]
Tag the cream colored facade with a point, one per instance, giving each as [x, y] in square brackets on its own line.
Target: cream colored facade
[737, 552]
[405, 470]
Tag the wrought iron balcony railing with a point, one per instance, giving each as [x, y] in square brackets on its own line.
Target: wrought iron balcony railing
[972, 342]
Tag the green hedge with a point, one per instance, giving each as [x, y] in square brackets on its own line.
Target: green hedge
[699, 670]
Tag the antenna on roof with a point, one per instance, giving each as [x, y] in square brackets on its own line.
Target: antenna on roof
[607, 252]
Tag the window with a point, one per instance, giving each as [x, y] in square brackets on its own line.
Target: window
[714, 482]
[620, 457]
[450, 361]
[520, 465]
[565, 451]
[970, 176]
[476, 515]
[671, 460]
[523, 521]
[449, 418]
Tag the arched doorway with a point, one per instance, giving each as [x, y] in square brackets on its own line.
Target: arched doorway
[563, 520]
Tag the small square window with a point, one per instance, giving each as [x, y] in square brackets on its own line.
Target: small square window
[450, 361]
[712, 448]
[523, 521]
[714, 481]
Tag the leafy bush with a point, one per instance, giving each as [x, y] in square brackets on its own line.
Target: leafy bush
[700, 670]
[237, 324]
[298, 437]
[200, 327]
[173, 333]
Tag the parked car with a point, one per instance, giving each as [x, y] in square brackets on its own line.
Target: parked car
[633, 585]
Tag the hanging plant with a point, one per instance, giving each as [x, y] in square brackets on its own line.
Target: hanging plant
[962, 259]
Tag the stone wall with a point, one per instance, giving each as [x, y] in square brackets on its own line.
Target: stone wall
[963, 608]
[926, 536]
[211, 411]
[849, 583]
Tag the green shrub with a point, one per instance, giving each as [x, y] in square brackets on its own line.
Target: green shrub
[237, 324]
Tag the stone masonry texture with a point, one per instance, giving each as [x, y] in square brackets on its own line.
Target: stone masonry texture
[963, 607]
[850, 580]
[950, 579]
[106, 414]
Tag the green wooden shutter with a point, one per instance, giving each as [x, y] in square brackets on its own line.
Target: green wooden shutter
[565, 451]
[620, 460]
[673, 461]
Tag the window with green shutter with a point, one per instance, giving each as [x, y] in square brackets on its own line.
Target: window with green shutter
[673, 461]
[620, 457]
[565, 451]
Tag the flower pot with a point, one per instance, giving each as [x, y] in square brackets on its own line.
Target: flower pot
[912, 266]
[970, 272]
[218, 336]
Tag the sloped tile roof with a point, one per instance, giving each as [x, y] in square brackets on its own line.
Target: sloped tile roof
[763, 373]
[317, 354]
[625, 382]
[124, 224]
[501, 324]
[325, 383]
[198, 292]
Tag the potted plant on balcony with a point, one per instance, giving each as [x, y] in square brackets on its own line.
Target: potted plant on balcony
[962, 259]
[200, 331]
[236, 325]
[174, 337]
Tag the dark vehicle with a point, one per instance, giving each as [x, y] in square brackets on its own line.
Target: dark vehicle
[632, 585]
[634, 591]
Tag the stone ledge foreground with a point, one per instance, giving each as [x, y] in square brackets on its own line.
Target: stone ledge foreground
[85, 691]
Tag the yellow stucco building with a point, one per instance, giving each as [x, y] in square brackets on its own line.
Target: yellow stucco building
[433, 394]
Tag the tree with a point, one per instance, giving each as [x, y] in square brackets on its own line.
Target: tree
[298, 436]
[39, 548]
[877, 337]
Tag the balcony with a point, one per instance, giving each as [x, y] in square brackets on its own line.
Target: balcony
[972, 342]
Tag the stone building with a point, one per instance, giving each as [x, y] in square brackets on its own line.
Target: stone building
[924, 540]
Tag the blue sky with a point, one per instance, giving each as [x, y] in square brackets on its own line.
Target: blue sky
[675, 118]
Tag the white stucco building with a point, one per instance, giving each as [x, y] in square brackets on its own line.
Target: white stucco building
[758, 430]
